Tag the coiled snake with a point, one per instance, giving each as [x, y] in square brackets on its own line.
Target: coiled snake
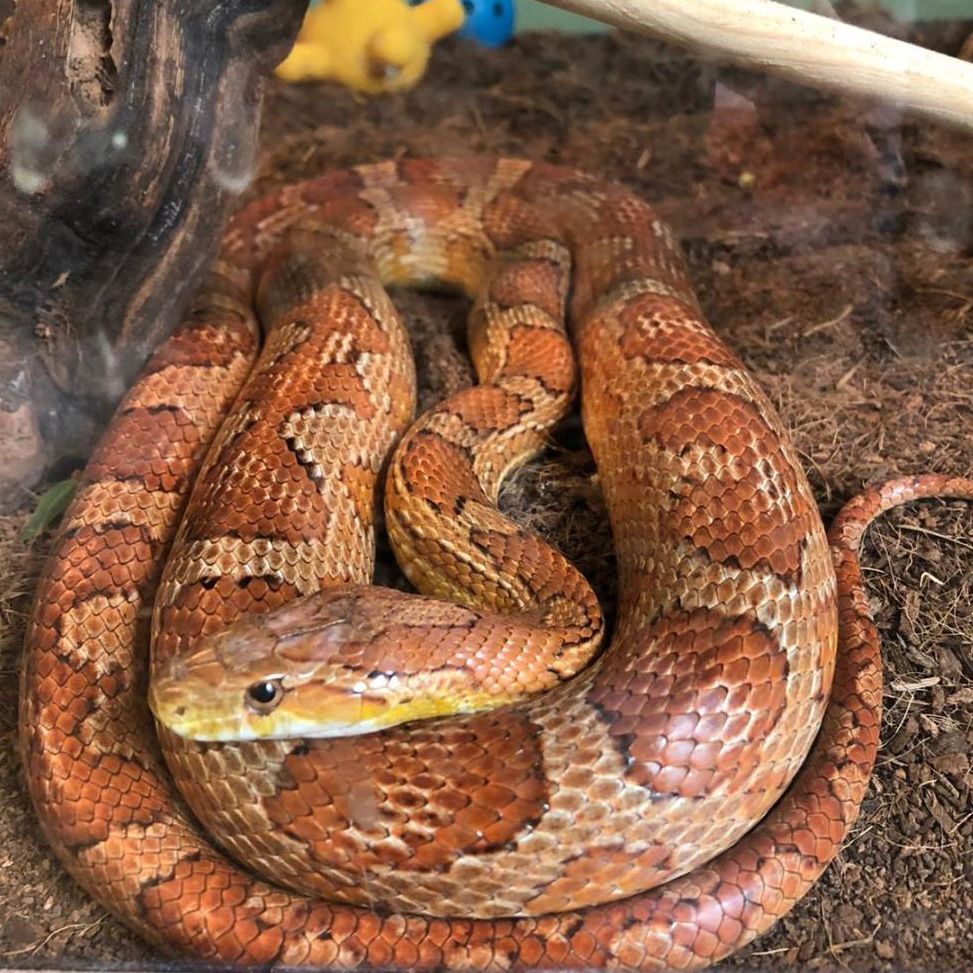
[536, 834]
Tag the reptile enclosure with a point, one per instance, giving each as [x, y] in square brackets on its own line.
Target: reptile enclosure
[830, 243]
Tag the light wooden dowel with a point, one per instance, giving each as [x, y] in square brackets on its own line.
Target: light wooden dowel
[802, 47]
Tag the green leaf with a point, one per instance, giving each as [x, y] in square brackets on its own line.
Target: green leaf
[50, 508]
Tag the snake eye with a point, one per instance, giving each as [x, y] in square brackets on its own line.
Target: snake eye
[262, 697]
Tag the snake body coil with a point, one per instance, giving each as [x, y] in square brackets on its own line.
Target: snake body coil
[529, 835]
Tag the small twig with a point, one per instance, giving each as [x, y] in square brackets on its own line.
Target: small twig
[36, 947]
[901, 686]
[936, 534]
[780, 323]
[846, 378]
[966, 51]
[814, 329]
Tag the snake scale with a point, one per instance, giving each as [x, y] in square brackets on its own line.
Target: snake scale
[658, 810]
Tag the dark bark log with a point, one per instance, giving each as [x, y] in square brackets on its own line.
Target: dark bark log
[127, 129]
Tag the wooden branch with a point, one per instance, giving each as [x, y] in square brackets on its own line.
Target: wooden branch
[802, 47]
[127, 129]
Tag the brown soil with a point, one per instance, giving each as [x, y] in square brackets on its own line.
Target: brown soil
[832, 246]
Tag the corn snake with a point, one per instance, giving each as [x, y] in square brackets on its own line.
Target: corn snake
[701, 594]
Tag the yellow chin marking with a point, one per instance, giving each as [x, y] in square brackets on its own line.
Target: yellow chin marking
[420, 708]
[450, 703]
[308, 713]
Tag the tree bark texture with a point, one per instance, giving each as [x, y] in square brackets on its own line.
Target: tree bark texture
[127, 129]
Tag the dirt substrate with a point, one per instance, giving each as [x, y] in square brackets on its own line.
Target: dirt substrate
[832, 246]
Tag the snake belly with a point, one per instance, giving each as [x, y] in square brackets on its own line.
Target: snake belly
[538, 829]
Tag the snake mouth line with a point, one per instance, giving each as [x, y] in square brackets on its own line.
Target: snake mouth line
[224, 717]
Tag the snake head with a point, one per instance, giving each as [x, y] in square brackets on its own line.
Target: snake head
[337, 663]
[277, 676]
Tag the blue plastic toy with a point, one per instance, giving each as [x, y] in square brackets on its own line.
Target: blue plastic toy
[488, 22]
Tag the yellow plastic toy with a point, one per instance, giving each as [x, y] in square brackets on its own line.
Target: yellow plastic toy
[369, 45]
